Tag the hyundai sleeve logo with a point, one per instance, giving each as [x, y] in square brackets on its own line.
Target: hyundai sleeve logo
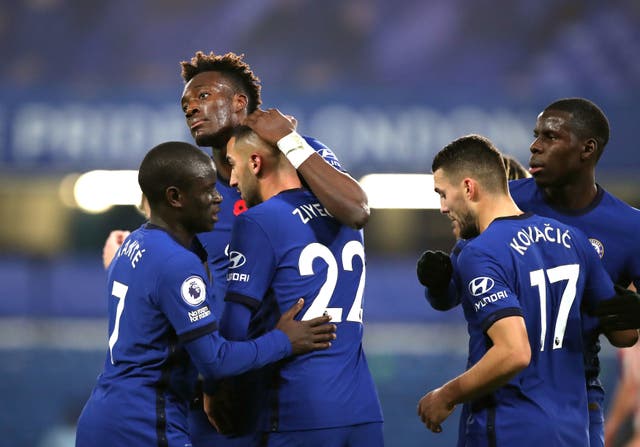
[480, 285]
[236, 259]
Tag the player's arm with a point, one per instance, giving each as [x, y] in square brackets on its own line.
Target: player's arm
[338, 192]
[434, 271]
[509, 355]
[623, 402]
[112, 244]
[619, 313]
[215, 357]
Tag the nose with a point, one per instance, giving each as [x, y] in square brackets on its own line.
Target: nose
[192, 107]
[217, 197]
[233, 181]
[535, 147]
[443, 208]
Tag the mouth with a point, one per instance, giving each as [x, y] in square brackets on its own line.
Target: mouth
[196, 124]
[214, 214]
[535, 168]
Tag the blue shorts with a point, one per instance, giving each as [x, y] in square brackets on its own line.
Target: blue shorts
[362, 435]
[203, 434]
[596, 416]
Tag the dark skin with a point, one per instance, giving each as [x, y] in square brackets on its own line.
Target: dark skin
[562, 163]
[187, 211]
[212, 107]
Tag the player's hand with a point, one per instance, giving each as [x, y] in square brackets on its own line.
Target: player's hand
[111, 245]
[209, 404]
[434, 269]
[433, 410]
[620, 312]
[270, 124]
[306, 336]
[219, 409]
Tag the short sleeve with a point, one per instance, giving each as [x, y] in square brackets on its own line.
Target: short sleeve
[485, 288]
[184, 296]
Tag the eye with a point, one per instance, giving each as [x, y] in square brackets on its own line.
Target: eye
[203, 95]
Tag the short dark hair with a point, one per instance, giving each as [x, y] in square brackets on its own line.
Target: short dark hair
[241, 131]
[173, 163]
[587, 119]
[233, 67]
[473, 156]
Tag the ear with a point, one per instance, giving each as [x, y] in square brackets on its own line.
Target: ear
[240, 102]
[589, 149]
[470, 188]
[255, 163]
[173, 196]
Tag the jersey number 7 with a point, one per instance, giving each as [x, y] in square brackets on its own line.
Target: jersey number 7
[119, 290]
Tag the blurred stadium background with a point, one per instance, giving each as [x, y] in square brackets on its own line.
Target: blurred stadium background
[94, 85]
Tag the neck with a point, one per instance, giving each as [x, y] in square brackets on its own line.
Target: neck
[223, 167]
[501, 205]
[573, 196]
[282, 178]
[175, 229]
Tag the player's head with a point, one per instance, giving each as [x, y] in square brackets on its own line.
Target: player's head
[460, 170]
[179, 182]
[257, 167]
[219, 91]
[570, 136]
[515, 171]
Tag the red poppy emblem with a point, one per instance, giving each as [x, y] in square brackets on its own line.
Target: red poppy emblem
[239, 207]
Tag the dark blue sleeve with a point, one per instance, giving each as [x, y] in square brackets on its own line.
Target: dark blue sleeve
[235, 320]
[327, 154]
[216, 358]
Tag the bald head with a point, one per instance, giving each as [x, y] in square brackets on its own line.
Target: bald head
[169, 164]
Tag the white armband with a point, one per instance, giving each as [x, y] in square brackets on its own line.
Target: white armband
[295, 148]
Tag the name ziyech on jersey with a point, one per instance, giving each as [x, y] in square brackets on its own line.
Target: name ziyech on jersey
[309, 211]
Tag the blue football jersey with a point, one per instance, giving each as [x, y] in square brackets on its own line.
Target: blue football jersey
[611, 226]
[286, 248]
[216, 244]
[160, 327]
[545, 271]
[216, 241]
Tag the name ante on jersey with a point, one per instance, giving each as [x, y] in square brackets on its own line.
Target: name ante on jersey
[131, 249]
[525, 237]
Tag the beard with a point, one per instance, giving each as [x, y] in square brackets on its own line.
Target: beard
[468, 226]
